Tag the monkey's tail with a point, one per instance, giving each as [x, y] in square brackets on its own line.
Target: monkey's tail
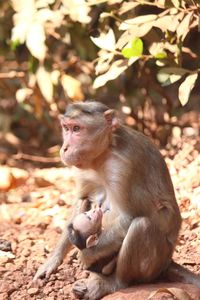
[178, 273]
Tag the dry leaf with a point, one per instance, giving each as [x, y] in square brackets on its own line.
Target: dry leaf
[55, 75]
[43, 3]
[124, 39]
[23, 94]
[105, 41]
[183, 27]
[25, 11]
[172, 26]
[35, 40]
[78, 10]
[44, 82]
[55, 17]
[127, 24]
[174, 77]
[115, 70]
[176, 3]
[126, 6]
[156, 48]
[174, 70]
[104, 61]
[186, 88]
[72, 87]
[163, 22]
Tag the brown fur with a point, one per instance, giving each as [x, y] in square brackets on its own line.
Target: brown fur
[132, 173]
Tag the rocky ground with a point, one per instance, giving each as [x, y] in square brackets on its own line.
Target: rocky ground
[34, 205]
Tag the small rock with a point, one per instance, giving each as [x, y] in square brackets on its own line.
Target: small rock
[26, 252]
[7, 179]
[47, 290]
[4, 296]
[7, 254]
[61, 202]
[4, 286]
[5, 245]
[33, 291]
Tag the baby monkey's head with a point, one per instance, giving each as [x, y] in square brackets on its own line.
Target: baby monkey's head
[85, 228]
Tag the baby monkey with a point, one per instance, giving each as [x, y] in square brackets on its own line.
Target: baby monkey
[84, 232]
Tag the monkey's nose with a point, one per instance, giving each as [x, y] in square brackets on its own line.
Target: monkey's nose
[65, 149]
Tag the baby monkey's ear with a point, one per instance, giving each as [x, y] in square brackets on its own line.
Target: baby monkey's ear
[92, 240]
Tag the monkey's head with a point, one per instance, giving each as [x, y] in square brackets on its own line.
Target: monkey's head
[85, 228]
[87, 131]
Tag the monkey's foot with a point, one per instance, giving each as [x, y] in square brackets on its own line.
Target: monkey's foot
[79, 288]
[92, 288]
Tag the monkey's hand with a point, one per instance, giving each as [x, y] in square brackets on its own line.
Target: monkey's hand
[49, 267]
[83, 261]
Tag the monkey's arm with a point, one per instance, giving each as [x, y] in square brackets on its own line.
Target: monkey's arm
[110, 240]
[62, 248]
[56, 257]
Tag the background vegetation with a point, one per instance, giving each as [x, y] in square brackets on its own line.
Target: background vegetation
[141, 57]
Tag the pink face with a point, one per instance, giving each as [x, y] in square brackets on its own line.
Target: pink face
[88, 223]
[87, 135]
[72, 149]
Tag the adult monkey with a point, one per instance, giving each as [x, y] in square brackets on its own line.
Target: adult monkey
[137, 184]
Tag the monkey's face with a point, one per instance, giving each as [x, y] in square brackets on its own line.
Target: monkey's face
[84, 139]
[88, 223]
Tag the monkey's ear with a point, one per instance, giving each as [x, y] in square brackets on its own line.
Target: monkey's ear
[61, 118]
[92, 240]
[111, 119]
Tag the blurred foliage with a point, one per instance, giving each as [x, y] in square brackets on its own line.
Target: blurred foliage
[139, 56]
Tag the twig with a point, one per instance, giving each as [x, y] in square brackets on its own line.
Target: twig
[36, 158]
[12, 74]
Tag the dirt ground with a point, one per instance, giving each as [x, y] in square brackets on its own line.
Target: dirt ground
[34, 205]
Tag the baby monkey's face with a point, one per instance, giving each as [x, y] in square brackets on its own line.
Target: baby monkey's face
[89, 222]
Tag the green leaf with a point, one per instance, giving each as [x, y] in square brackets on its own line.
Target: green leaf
[136, 49]
[161, 55]
[137, 45]
[127, 52]
[15, 44]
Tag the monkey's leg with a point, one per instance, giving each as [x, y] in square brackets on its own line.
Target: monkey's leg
[144, 254]
[96, 286]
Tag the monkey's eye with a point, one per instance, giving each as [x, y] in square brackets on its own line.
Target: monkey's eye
[66, 127]
[87, 216]
[76, 128]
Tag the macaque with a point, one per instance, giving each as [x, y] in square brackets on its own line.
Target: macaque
[85, 228]
[84, 232]
[130, 171]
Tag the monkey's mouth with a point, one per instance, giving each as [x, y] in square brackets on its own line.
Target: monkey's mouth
[75, 157]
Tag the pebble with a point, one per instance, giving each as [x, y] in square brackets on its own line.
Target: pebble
[33, 291]
[5, 245]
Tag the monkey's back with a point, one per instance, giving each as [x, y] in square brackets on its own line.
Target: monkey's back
[148, 182]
